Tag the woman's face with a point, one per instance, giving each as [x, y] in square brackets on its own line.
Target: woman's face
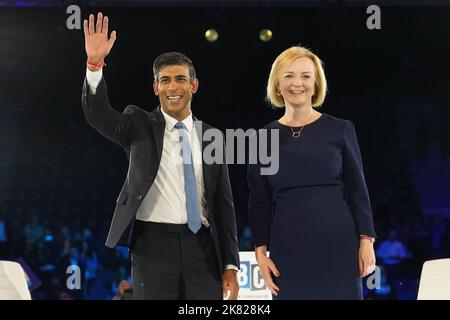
[296, 82]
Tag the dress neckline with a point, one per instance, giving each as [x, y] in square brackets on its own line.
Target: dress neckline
[317, 120]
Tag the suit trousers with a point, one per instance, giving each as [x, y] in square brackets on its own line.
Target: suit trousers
[169, 262]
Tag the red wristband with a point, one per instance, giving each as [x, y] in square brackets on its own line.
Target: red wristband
[95, 66]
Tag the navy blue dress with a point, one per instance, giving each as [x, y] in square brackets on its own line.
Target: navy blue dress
[311, 212]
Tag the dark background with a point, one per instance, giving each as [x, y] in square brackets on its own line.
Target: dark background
[392, 83]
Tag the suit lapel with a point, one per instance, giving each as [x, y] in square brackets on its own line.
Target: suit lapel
[158, 125]
[207, 168]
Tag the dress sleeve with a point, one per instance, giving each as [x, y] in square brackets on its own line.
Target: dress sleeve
[259, 205]
[356, 193]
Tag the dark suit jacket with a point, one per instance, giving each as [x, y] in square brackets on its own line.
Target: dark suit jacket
[141, 134]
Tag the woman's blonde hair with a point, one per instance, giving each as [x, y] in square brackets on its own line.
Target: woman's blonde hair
[284, 60]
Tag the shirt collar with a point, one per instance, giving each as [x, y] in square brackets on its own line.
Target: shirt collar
[171, 122]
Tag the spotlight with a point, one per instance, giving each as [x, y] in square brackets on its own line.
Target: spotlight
[265, 35]
[211, 35]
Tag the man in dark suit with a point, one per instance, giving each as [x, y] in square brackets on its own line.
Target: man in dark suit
[174, 211]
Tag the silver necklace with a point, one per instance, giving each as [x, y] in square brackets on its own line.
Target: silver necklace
[296, 134]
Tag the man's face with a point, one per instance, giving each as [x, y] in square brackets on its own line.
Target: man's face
[175, 90]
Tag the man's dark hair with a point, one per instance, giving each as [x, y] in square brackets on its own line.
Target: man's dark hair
[172, 59]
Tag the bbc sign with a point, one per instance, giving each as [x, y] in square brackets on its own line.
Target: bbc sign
[251, 283]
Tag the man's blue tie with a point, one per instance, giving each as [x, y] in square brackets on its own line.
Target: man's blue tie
[190, 184]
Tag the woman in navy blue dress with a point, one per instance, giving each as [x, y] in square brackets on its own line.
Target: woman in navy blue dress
[314, 214]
